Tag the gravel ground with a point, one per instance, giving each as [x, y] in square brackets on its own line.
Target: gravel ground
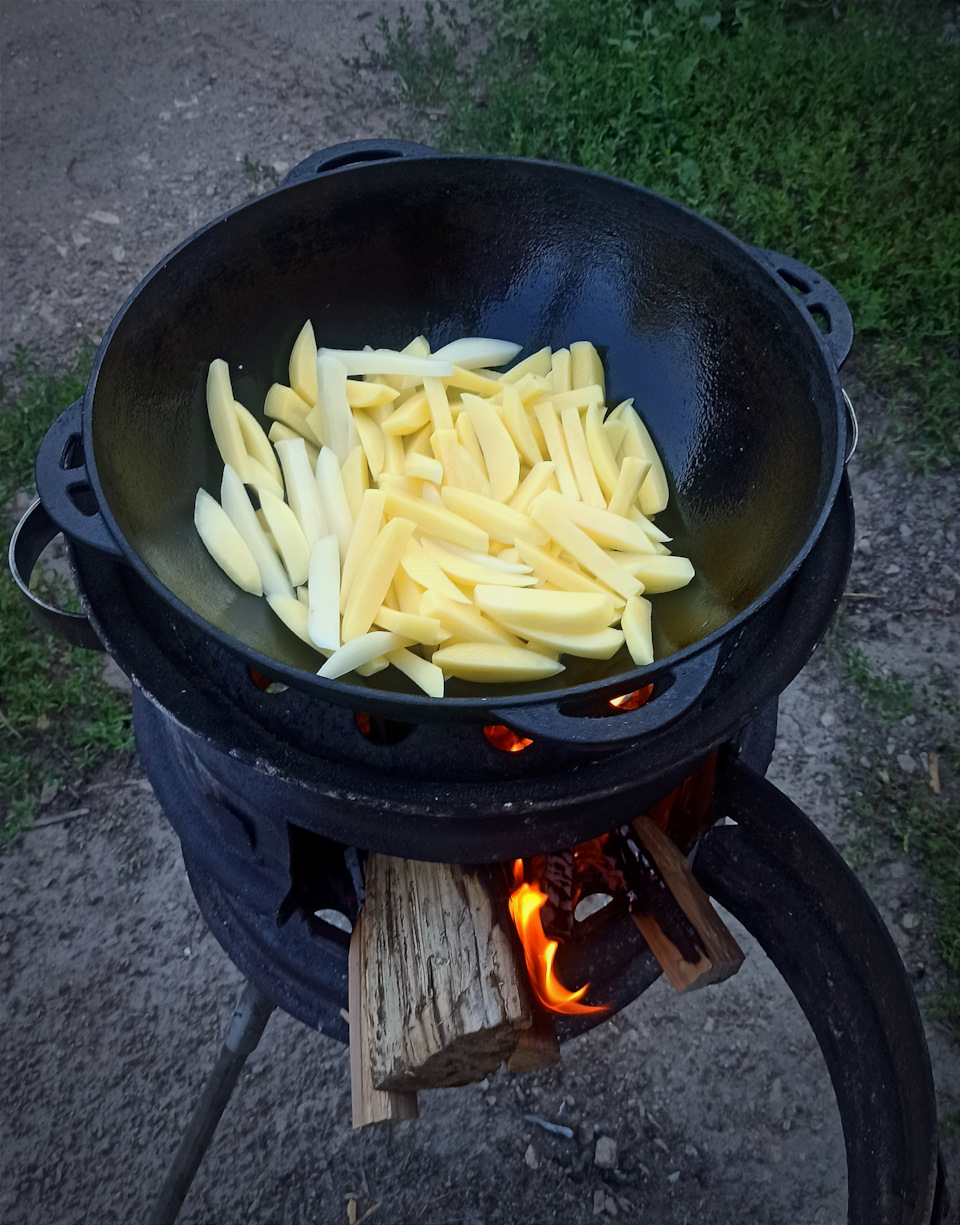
[125, 127]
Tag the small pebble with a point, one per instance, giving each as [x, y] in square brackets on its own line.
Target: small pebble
[674, 1176]
[910, 921]
[709, 1025]
[531, 1158]
[691, 1151]
[906, 763]
[605, 1154]
[599, 1202]
[828, 718]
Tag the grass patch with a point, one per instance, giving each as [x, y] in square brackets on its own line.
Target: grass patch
[59, 717]
[830, 132]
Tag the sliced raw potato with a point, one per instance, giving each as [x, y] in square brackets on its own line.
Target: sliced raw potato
[419, 443]
[369, 395]
[580, 460]
[331, 418]
[388, 362]
[614, 429]
[635, 621]
[303, 365]
[408, 592]
[460, 469]
[256, 475]
[372, 581]
[499, 452]
[503, 523]
[292, 613]
[472, 352]
[302, 492]
[355, 478]
[256, 443]
[280, 432]
[520, 609]
[425, 630]
[424, 571]
[472, 380]
[486, 662]
[323, 622]
[284, 405]
[223, 417]
[632, 474]
[225, 544]
[470, 572]
[393, 454]
[603, 644]
[404, 484]
[540, 477]
[234, 500]
[439, 521]
[583, 549]
[608, 530]
[498, 564]
[359, 651]
[579, 398]
[465, 620]
[654, 493]
[336, 509]
[519, 428]
[598, 446]
[439, 406]
[663, 572]
[537, 364]
[410, 417]
[371, 439]
[560, 370]
[468, 437]
[546, 415]
[424, 674]
[637, 516]
[288, 534]
[303, 595]
[561, 574]
[423, 468]
[586, 367]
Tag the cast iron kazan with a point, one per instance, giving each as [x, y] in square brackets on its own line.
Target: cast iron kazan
[715, 340]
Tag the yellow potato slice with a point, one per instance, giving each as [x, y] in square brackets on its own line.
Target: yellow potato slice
[499, 452]
[663, 572]
[468, 437]
[420, 567]
[654, 494]
[472, 352]
[424, 674]
[583, 549]
[283, 404]
[426, 630]
[470, 380]
[234, 500]
[598, 446]
[257, 476]
[614, 429]
[465, 620]
[365, 532]
[483, 661]
[288, 534]
[580, 459]
[546, 415]
[423, 468]
[335, 506]
[518, 426]
[540, 477]
[410, 485]
[609, 531]
[586, 369]
[470, 572]
[359, 651]
[393, 454]
[389, 363]
[256, 443]
[302, 492]
[411, 416]
[502, 523]
[460, 469]
[633, 472]
[223, 417]
[635, 515]
[536, 610]
[369, 395]
[419, 443]
[604, 644]
[439, 521]
[537, 363]
[371, 439]
[408, 592]
[303, 365]
[636, 625]
[292, 613]
[560, 370]
[356, 479]
[323, 621]
[371, 583]
[440, 413]
[331, 418]
[562, 575]
[225, 544]
[280, 432]
[579, 398]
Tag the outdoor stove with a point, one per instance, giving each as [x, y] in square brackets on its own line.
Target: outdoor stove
[264, 786]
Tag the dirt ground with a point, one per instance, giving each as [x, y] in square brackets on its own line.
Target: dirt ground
[124, 127]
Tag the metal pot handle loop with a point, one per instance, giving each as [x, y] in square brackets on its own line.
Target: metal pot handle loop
[64, 485]
[352, 153]
[818, 297]
[676, 689]
[30, 537]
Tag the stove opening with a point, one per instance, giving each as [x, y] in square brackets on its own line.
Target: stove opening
[504, 739]
[325, 881]
[378, 730]
[265, 683]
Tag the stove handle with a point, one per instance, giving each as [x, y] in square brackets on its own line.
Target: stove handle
[676, 690]
[818, 297]
[30, 537]
[353, 153]
[63, 483]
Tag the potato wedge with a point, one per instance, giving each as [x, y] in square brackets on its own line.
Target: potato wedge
[303, 365]
[225, 544]
[223, 418]
[360, 651]
[536, 610]
[323, 621]
[635, 622]
[486, 662]
[287, 532]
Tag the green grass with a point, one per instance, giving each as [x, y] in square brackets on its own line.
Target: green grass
[58, 717]
[836, 140]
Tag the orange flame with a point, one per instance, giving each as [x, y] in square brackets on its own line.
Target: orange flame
[526, 902]
[503, 738]
[632, 701]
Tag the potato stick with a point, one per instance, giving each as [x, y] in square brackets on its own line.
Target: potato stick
[335, 508]
[459, 468]
[371, 583]
[636, 626]
[480, 661]
[584, 550]
[225, 544]
[531, 388]
[436, 395]
[537, 363]
[288, 534]
[431, 493]
[471, 352]
[424, 570]
[419, 443]
[663, 572]
[426, 630]
[393, 454]
[323, 622]
[379, 663]
[469, 572]
[360, 651]
[365, 532]
[466, 621]
[303, 594]
[499, 564]
[369, 395]
[279, 432]
[333, 409]
[390, 363]
[500, 455]
[598, 446]
[580, 459]
[636, 515]
[303, 365]
[578, 398]
[260, 478]
[302, 492]
[540, 477]
[408, 592]
[422, 468]
[223, 417]
[561, 574]
[439, 521]
[236, 503]
[410, 485]
[536, 610]
[500, 522]
[518, 426]
[391, 599]
[356, 479]
[371, 439]
[633, 471]
[292, 613]
[424, 674]
[654, 493]
[560, 372]
[614, 429]
[546, 415]
[255, 442]
[468, 437]
[586, 367]
[283, 404]
[411, 416]
[469, 380]
[603, 644]
[609, 531]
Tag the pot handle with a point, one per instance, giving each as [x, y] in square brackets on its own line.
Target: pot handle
[819, 297]
[675, 690]
[30, 537]
[64, 485]
[352, 153]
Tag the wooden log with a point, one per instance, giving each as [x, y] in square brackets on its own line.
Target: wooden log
[538, 1047]
[719, 954]
[445, 983]
[369, 1104]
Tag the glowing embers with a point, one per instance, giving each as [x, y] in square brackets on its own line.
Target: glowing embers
[632, 701]
[504, 739]
[526, 903]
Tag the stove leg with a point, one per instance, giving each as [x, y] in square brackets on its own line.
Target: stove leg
[243, 1033]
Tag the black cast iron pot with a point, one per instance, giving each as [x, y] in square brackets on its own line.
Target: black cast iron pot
[376, 242]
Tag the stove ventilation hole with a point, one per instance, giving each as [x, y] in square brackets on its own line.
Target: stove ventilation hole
[504, 739]
[631, 701]
[378, 730]
[265, 684]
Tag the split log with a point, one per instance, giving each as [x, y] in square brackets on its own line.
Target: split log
[369, 1104]
[698, 949]
[538, 1047]
[445, 984]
